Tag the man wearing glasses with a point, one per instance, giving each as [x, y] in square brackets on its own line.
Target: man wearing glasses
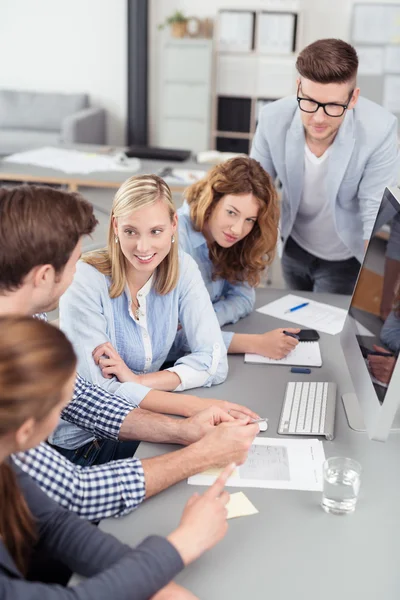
[333, 154]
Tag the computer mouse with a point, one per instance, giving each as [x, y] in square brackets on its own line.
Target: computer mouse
[263, 425]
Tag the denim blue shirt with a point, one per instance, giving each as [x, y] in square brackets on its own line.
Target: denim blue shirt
[390, 333]
[90, 317]
[231, 302]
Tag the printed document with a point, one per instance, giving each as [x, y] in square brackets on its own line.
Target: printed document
[316, 315]
[285, 464]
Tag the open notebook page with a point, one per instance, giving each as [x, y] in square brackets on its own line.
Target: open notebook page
[305, 354]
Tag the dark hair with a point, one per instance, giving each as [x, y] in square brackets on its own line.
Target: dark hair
[245, 260]
[328, 61]
[39, 225]
[36, 361]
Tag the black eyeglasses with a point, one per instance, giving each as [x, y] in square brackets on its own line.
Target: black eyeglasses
[332, 109]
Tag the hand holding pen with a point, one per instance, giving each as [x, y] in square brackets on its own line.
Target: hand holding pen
[277, 343]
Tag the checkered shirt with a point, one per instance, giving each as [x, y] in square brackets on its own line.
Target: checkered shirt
[94, 493]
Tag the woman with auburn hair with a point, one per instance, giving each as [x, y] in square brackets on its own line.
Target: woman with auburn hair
[37, 375]
[123, 308]
[229, 225]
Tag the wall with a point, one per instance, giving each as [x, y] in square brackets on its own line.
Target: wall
[319, 19]
[73, 46]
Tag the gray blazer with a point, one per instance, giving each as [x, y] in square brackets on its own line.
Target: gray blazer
[114, 570]
[363, 160]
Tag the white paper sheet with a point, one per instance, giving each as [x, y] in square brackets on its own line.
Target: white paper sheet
[286, 464]
[72, 161]
[306, 354]
[392, 59]
[185, 176]
[391, 93]
[316, 315]
[370, 60]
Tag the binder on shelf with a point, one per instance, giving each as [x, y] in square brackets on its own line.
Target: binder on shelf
[236, 31]
[276, 33]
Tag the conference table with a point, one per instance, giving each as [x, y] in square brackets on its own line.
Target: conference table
[112, 179]
[291, 548]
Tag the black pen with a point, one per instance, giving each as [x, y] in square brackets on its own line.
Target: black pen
[293, 335]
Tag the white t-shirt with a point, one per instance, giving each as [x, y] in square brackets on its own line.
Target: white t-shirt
[314, 226]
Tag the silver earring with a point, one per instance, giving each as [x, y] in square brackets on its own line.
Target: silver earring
[173, 239]
[116, 239]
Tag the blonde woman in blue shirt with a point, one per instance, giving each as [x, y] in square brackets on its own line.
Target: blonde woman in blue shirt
[123, 308]
[229, 225]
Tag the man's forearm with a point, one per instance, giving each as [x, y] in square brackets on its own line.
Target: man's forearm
[148, 426]
[163, 471]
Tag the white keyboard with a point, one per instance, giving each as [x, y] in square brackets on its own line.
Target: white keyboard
[309, 409]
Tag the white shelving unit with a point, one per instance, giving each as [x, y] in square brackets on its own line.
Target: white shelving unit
[185, 94]
[246, 78]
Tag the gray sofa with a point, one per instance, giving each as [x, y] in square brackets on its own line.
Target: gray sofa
[33, 119]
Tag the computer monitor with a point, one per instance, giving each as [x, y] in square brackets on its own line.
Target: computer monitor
[374, 405]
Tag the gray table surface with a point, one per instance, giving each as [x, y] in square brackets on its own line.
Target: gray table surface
[291, 549]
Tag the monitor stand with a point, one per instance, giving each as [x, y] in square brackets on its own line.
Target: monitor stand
[355, 417]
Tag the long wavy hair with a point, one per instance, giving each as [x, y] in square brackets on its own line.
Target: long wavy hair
[245, 260]
[36, 361]
[135, 193]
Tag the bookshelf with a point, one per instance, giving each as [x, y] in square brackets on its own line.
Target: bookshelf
[259, 69]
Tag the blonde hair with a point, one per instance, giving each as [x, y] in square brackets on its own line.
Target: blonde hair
[136, 193]
[245, 260]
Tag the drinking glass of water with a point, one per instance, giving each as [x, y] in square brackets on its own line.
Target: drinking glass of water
[341, 485]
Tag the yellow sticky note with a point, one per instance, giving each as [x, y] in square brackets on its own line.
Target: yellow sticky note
[240, 506]
[216, 472]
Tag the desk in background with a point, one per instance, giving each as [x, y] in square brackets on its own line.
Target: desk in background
[111, 179]
[291, 549]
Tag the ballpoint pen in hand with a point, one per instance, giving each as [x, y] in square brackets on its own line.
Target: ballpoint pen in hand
[293, 335]
[297, 307]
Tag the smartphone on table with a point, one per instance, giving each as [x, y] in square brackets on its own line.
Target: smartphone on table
[308, 335]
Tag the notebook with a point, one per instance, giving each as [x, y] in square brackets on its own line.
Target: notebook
[306, 354]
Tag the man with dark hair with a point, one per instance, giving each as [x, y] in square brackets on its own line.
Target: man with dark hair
[40, 231]
[333, 154]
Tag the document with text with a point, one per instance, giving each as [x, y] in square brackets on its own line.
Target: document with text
[285, 464]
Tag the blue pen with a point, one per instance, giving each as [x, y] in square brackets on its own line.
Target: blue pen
[297, 307]
[300, 370]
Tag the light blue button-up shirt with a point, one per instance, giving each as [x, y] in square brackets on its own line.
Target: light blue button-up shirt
[90, 317]
[231, 301]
